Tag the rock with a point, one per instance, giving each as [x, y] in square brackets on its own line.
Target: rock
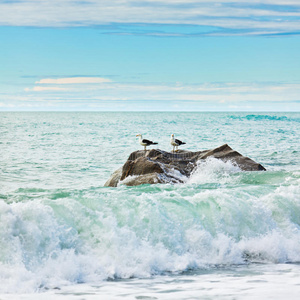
[157, 166]
[140, 166]
[114, 178]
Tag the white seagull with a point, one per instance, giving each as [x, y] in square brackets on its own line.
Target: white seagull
[145, 142]
[175, 143]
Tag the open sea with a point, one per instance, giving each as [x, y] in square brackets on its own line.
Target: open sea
[222, 234]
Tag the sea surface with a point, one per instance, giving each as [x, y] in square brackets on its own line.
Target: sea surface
[222, 234]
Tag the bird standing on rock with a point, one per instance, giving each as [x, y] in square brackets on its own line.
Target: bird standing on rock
[145, 142]
[175, 142]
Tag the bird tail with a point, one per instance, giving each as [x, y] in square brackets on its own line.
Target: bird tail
[154, 143]
[183, 143]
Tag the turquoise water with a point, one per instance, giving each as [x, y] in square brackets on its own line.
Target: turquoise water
[223, 233]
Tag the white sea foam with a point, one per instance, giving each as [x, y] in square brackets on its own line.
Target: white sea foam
[213, 170]
[69, 241]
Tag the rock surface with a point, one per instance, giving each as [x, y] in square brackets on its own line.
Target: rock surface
[157, 166]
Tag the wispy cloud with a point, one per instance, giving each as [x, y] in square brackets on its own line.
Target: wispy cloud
[73, 80]
[44, 88]
[236, 17]
[270, 96]
[214, 92]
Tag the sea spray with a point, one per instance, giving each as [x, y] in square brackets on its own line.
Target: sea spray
[212, 170]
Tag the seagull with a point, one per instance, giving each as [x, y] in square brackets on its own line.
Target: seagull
[175, 142]
[145, 142]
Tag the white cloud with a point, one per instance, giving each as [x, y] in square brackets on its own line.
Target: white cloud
[73, 80]
[44, 88]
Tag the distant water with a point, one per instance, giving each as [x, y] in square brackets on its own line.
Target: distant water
[224, 234]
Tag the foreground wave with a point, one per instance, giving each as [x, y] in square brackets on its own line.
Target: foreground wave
[219, 216]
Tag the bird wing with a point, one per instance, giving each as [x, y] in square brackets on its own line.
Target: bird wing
[145, 141]
[179, 142]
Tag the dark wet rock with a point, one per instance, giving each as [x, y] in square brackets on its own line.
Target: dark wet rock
[157, 166]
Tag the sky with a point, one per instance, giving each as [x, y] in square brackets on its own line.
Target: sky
[155, 55]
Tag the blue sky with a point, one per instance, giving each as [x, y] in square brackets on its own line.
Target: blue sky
[150, 55]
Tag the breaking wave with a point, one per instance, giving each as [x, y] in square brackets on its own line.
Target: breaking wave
[216, 218]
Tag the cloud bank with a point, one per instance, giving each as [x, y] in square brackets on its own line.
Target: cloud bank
[213, 92]
[120, 96]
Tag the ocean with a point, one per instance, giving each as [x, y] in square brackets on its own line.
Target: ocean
[222, 234]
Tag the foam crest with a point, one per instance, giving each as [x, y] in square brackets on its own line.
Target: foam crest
[98, 234]
[213, 170]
